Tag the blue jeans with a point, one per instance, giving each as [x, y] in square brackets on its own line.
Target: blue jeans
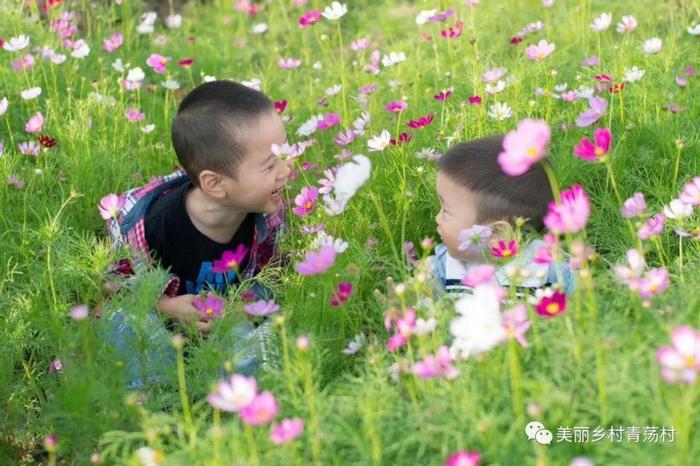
[144, 346]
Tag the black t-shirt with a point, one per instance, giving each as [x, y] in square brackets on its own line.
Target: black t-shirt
[177, 244]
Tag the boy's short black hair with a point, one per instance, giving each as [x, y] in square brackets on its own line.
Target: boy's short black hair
[208, 129]
[474, 165]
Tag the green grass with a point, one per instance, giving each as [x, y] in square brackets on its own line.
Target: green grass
[55, 252]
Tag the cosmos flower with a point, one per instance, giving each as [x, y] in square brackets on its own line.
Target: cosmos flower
[334, 12]
[596, 150]
[596, 110]
[234, 394]
[35, 123]
[540, 51]
[286, 430]
[230, 260]
[652, 46]
[524, 146]
[438, 365]
[551, 303]
[342, 294]
[634, 206]
[305, 201]
[681, 361]
[261, 307]
[110, 206]
[317, 262]
[571, 213]
[209, 307]
[261, 410]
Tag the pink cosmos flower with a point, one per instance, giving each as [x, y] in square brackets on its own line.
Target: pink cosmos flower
[545, 253]
[516, 322]
[35, 123]
[55, 366]
[286, 431]
[443, 95]
[475, 100]
[342, 294]
[280, 106]
[359, 45]
[597, 107]
[524, 146]
[23, 63]
[479, 275]
[28, 148]
[345, 138]
[79, 312]
[652, 227]
[317, 262]
[210, 307]
[540, 51]
[680, 362]
[233, 395]
[305, 201]
[112, 43]
[329, 120]
[261, 308]
[439, 365]
[309, 18]
[691, 192]
[654, 282]
[157, 62]
[597, 149]
[110, 206]
[571, 213]
[134, 114]
[403, 324]
[261, 410]
[634, 206]
[288, 63]
[553, 305]
[464, 458]
[442, 16]
[473, 240]
[505, 250]
[453, 32]
[328, 182]
[230, 260]
[396, 106]
[421, 122]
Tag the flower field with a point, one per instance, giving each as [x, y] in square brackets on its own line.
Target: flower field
[374, 365]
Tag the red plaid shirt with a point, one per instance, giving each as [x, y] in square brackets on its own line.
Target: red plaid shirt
[127, 229]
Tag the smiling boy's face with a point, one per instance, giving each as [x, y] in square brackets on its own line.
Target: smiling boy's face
[260, 175]
[458, 212]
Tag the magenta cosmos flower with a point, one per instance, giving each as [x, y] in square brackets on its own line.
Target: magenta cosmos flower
[261, 307]
[570, 214]
[110, 206]
[286, 431]
[342, 294]
[317, 262]
[552, 305]
[329, 120]
[464, 458]
[309, 18]
[524, 146]
[35, 123]
[230, 260]
[157, 62]
[234, 394]
[421, 122]
[596, 109]
[505, 249]
[396, 106]
[596, 149]
[539, 52]
[261, 410]
[305, 201]
[680, 362]
[210, 307]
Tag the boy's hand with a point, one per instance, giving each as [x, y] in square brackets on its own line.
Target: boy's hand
[181, 309]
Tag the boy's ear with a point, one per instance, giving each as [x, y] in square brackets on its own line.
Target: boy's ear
[501, 230]
[212, 183]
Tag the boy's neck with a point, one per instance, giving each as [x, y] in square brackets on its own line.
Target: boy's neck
[210, 217]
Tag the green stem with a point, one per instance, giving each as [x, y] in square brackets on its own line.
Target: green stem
[515, 381]
[252, 449]
[184, 399]
[552, 178]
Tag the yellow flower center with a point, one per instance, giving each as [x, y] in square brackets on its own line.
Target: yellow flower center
[690, 361]
[532, 152]
[209, 311]
[552, 308]
[308, 204]
[506, 252]
[653, 287]
[232, 264]
[599, 152]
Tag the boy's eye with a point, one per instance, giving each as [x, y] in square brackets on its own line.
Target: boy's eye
[270, 167]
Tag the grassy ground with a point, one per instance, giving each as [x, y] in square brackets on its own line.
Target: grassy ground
[593, 366]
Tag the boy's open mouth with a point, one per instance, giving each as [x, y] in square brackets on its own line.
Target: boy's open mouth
[276, 194]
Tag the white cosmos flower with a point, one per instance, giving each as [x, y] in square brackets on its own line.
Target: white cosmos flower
[378, 143]
[626, 24]
[393, 58]
[119, 65]
[149, 457]
[16, 44]
[694, 30]
[678, 209]
[253, 84]
[424, 16]
[324, 239]
[333, 90]
[360, 123]
[259, 28]
[633, 74]
[602, 22]
[424, 327]
[173, 21]
[3, 106]
[170, 84]
[350, 177]
[148, 128]
[207, 78]
[491, 89]
[81, 49]
[354, 345]
[500, 111]
[58, 58]
[334, 12]
[309, 126]
[333, 206]
[480, 325]
[135, 75]
[31, 93]
[652, 45]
